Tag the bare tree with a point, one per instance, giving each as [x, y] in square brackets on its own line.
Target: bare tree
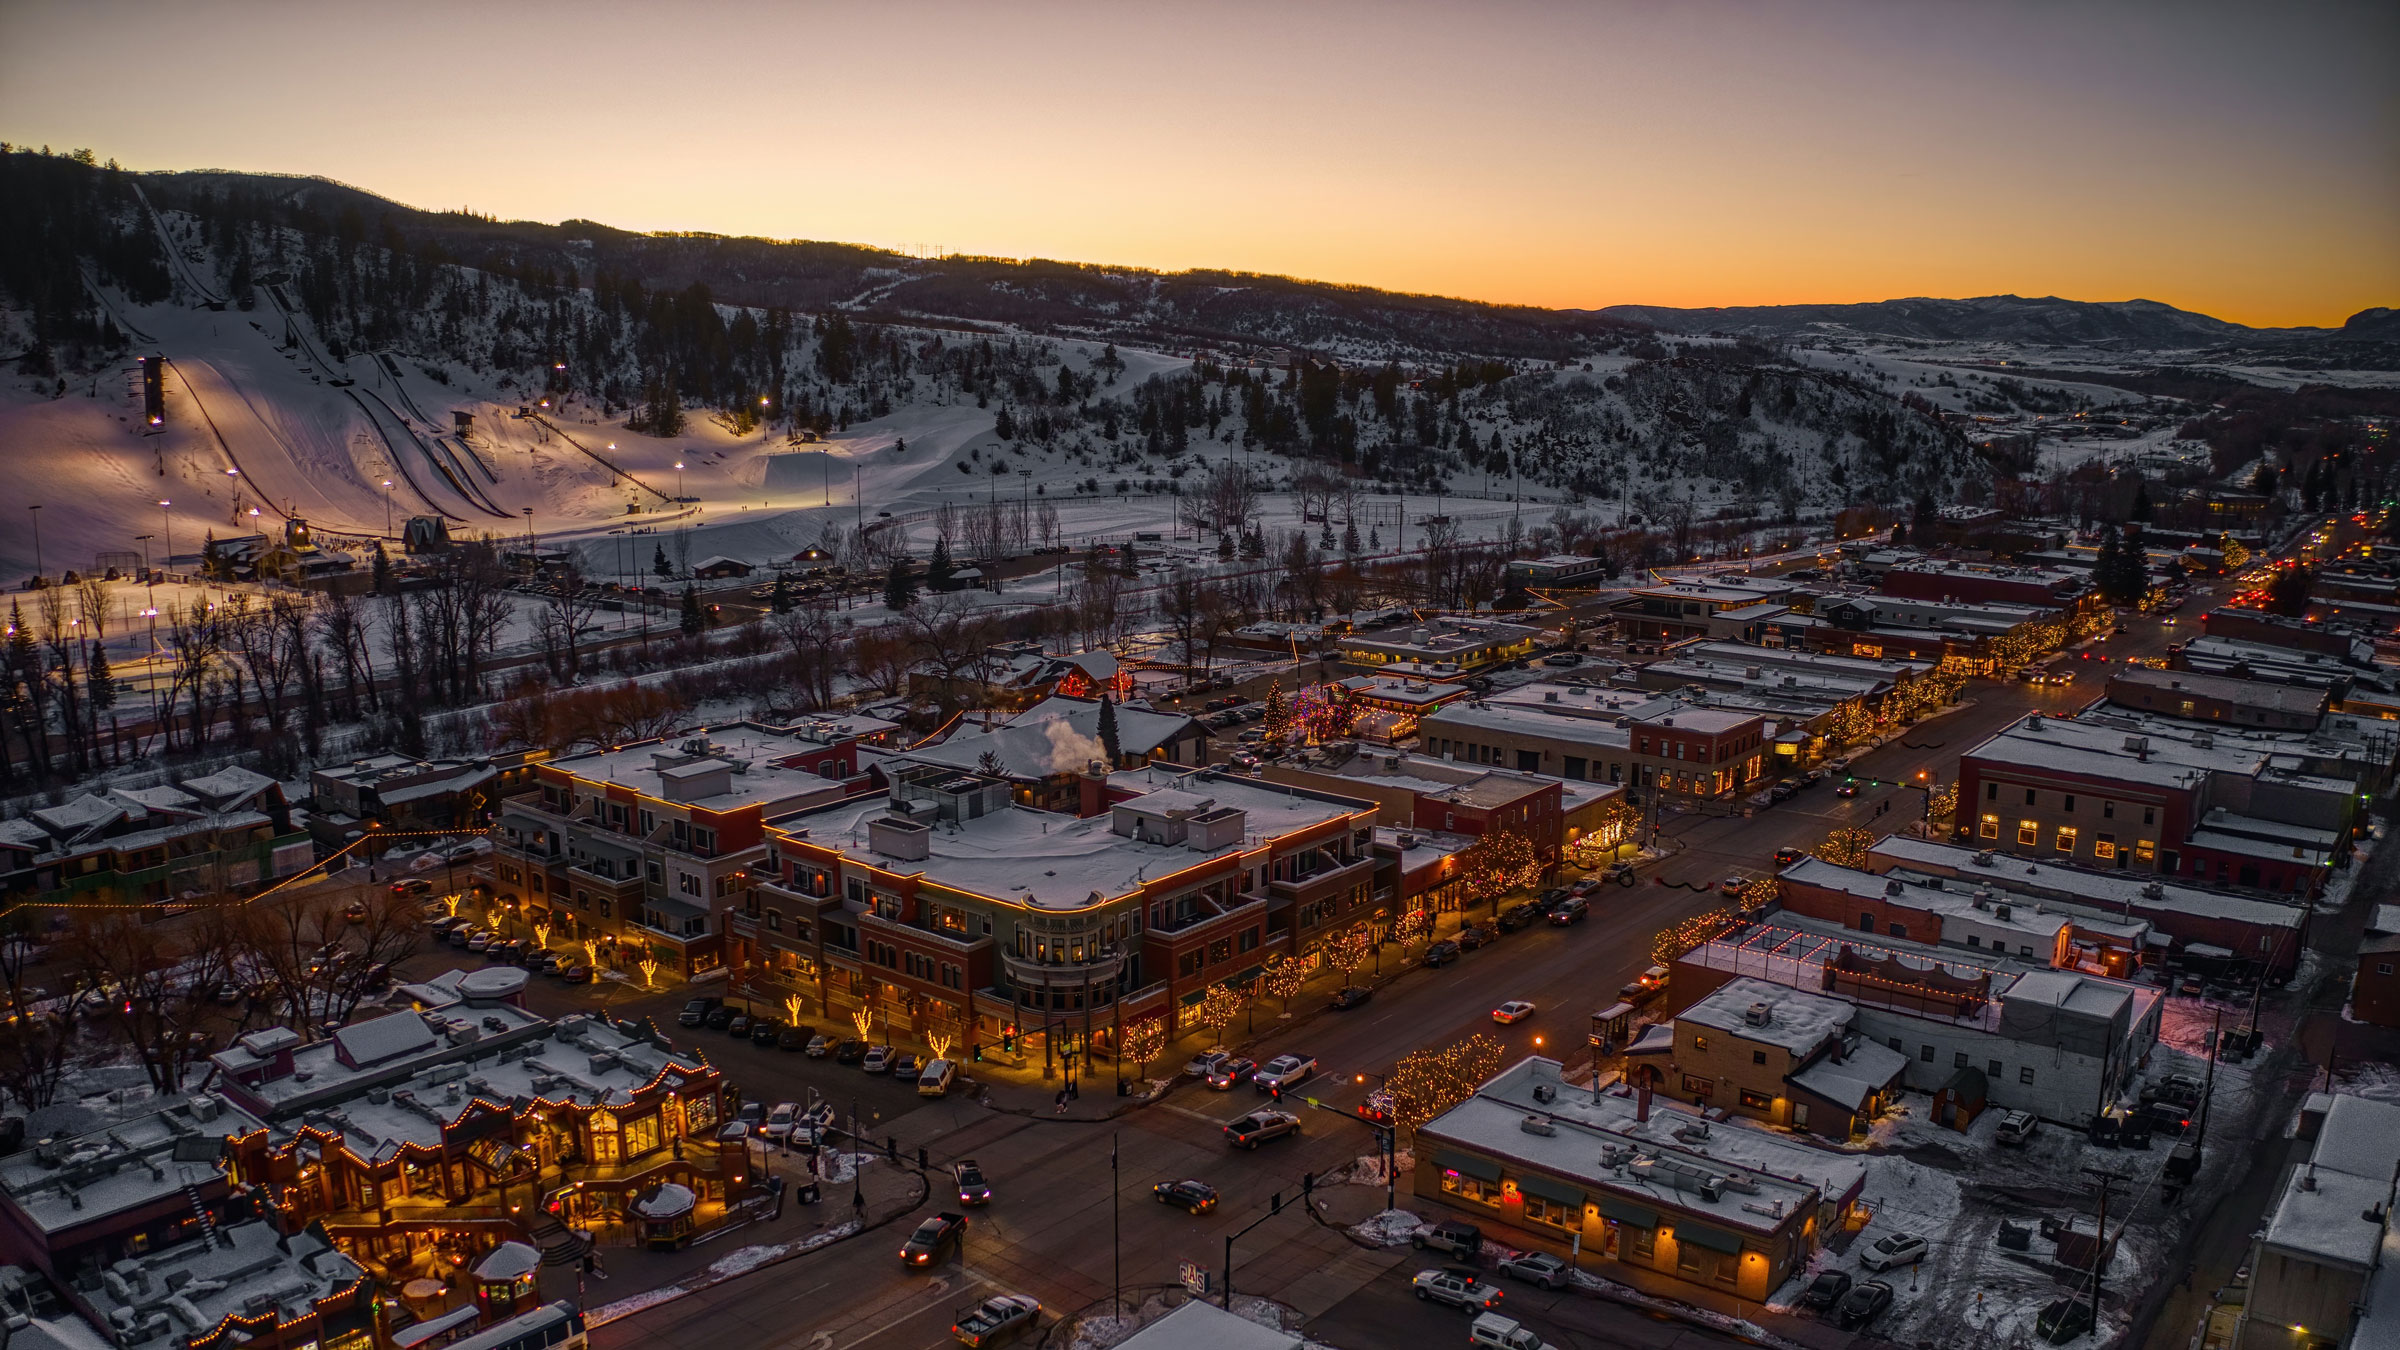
[1225, 498]
[38, 1043]
[571, 604]
[151, 985]
[319, 961]
[816, 653]
[1316, 487]
[195, 644]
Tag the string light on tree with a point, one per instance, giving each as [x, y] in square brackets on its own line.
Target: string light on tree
[1429, 1082]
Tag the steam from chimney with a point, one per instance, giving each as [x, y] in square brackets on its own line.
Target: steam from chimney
[1070, 749]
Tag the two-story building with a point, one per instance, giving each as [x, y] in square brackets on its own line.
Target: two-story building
[226, 833]
[1783, 1056]
[633, 848]
[1676, 747]
[1043, 750]
[947, 909]
[2325, 1267]
[2196, 697]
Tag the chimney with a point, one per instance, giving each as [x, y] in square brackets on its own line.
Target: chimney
[1091, 790]
[1641, 1099]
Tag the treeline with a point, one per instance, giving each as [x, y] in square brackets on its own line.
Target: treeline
[58, 214]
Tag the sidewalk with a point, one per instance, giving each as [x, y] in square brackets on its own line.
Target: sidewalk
[637, 1279]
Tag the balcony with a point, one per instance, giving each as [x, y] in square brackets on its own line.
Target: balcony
[1323, 881]
[956, 944]
[1027, 970]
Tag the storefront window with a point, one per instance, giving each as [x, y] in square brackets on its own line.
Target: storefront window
[700, 1114]
[1538, 1210]
[606, 1148]
[642, 1136]
[1471, 1188]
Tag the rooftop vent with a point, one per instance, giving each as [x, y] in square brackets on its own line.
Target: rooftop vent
[1758, 1014]
[1538, 1124]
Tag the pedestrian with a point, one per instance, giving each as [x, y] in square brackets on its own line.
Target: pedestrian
[1062, 1102]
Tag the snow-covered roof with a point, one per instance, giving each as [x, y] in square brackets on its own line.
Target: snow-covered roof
[200, 1283]
[229, 785]
[1865, 1068]
[650, 768]
[2075, 886]
[72, 1182]
[1798, 1022]
[1055, 736]
[1787, 1176]
[1052, 861]
[1516, 720]
[1205, 1326]
[2385, 920]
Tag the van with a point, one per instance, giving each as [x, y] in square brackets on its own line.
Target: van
[934, 1079]
[1506, 1333]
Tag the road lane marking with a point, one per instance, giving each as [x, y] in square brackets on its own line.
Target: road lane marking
[933, 1296]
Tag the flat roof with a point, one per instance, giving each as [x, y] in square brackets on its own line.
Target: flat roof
[1050, 861]
[762, 781]
[2275, 695]
[197, 1285]
[1785, 1173]
[2007, 873]
[84, 1179]
[1797, 1021]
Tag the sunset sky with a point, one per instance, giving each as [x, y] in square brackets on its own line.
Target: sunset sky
[2240, 160]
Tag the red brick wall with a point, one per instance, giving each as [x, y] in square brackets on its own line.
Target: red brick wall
[2374, 996]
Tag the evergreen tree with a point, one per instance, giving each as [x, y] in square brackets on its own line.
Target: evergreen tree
[1225, 548]
[781, 600]
[2105, 569]
[2263, 479]
[382, 570]
[899, 588]
[694, 621]
[1350, 537]
[1005, 425]
[1899, 533]
[1128, 562]
[2141, 509]
[658, 561]
[1108, 731]
[939, 571]
[1278, 720]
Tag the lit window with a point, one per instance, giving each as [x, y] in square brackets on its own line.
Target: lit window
[2104, 846]
[2144, 850]
[1991, 826]
[2029, 832]
[2066, 839]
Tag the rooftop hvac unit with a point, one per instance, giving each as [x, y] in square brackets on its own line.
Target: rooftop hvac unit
[1983, 857]
[1538, 1124]
[1543, 1092]
[1895, 886]
[1758, 1014]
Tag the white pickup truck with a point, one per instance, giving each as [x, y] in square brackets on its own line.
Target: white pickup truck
[996, 1319]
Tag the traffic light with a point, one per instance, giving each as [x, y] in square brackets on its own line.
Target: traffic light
[1008, 1040]
[979, 1054]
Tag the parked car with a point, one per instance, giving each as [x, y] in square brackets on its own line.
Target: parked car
[996, 1319]
[1573, 909]
[905, 1066]
[1784, 790]
[1863, 1304]
[780, 1120]
[720, 1017]
[1473, 936]
[2063, 1319]
[1733, 885]
[697, 1010]
[1194, 1197]
[819, 1046]
[1563, 659]
[765, 1030]
[1229, 1072]
[850, 1052]
[478, 941]
[1441, 953]
[794, 1038]
[1515, 1010]
[1205, 1063]
[878, 1059]
[1350, 996]
[1896, 1249]
[1455, 1236]
[1505, 1333]
[1524, 913]
[2179, 1089]
[1458, 1288]
[1283, 1071]
[1260, 1126]
[1826, 1290]
[973, 1189]
[2015, 1128]
[1645, 986]
[1552, 896]
[1537, 1268]
[1585, 886]
[739, 1026]
[935, 1238]
[355, 911]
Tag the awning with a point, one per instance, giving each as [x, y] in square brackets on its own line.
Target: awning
[1557, 1192]
[1625, 1211]
[1716, 1239]
[418, 1333]
[1479, 1168]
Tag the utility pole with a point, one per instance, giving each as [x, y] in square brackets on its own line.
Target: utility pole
[1116, 1247]
[36, 512]
[2108, 1180]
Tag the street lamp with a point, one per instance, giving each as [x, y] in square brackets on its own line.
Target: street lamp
[36, 512]
[167, 525]
[679, 482]
[387, 508]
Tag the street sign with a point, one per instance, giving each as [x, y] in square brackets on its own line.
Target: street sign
[1195, 1279]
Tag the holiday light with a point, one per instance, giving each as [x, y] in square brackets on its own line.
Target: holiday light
[649, 967]
[1222, 1004]
[865, 1022]
[1284, 978]
[1145, 1039]
[792, 1003]
[938, 1042]
[1429, 1082]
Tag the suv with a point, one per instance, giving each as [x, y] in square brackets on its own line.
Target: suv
[2015, 1128]
[1260, 1126]
[1573, 909]
[1455, 1236]
[1458, 1288]
[1826, 1290]
[1441, 953]
[1897, 1249]
[1536, 1268]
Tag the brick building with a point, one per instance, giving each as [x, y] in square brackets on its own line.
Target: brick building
[1674, 746]
[945, 908]
[2195, 697]
[2375, 987]
[1782, 1056]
